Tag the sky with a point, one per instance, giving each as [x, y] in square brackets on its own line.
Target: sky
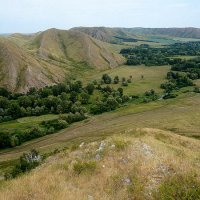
[29, 16]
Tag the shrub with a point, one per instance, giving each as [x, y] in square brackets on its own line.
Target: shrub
[124, 83]
[180, 187]
[27, 162]
[83, 167]
[57, 124]
[120, 144]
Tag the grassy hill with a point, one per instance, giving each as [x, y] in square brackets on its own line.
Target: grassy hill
[47, 58]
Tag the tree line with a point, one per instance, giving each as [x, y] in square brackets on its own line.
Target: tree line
[144, 54]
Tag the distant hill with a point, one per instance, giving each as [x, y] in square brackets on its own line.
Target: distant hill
[115, 34]
[105, 34]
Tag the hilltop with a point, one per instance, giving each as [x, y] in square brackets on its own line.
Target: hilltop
[134, 164]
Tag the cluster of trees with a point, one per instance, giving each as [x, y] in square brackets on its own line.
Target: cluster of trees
[61, 98]
[71, 101]
[181, 75]
[190, 67]
[144, 55]
[106, 79]
[111, 100]
[176, 80]
[148, 56]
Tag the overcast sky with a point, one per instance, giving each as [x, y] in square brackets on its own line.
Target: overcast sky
[29, 16]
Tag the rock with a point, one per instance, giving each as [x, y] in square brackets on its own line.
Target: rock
[103, 166]
[126, 181]
[97, 157]
[101, 146]
[81, 145]
[112, 146]
[147, 150]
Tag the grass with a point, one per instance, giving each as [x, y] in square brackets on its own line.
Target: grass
[133, 172]
[185, 57]
[181, 187]
[153, 77]
[26, 122]
[84, 167]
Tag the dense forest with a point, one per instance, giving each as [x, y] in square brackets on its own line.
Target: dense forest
[144, 54]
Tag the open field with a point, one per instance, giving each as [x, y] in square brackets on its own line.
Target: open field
[26, 122]
[153, 77]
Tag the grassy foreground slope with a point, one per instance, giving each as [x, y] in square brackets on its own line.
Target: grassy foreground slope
[134, 164]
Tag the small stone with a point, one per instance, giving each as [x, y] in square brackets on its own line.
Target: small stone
[112, 146]
[81, 145]
[103, 166]
[97, 157]
[126, 181]
[101, 146]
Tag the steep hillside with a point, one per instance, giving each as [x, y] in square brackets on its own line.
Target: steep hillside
[20, 70]
[45, 58]
[111, 35]
[142, 164]
[75, 46]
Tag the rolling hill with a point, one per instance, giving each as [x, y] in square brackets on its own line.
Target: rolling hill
[46, 57]
[75, 46]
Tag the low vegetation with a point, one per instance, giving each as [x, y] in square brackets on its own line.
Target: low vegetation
[143, 168]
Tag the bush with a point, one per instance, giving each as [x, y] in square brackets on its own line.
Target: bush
[83, 167]
[120, 144]
[57, 124]
[27, 162]
[124, 83]
[180, 187]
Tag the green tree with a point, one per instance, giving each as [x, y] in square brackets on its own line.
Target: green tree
[116, 79]
[106, 79]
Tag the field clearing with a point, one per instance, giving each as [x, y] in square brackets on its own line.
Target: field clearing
[26, 122]
[153, 77]
[185, 57]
